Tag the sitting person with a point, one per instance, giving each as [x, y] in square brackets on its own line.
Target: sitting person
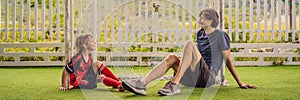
[199, 64]
[81, 72]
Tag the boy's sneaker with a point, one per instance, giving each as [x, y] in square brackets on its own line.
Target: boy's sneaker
[169, 89]
[135, 86]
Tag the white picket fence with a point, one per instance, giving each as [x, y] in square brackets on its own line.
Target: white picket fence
[140, 32]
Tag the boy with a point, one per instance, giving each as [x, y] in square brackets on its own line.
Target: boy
[81, 72]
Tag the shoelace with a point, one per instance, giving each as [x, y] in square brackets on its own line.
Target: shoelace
[169, 85]
[138, 84]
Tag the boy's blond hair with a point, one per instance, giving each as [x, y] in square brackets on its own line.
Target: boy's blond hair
[81, 40]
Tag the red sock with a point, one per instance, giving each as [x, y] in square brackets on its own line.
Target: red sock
[111, 82]
[107, 72]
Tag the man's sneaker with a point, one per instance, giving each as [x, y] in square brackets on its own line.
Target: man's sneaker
[169, 89]
[135, 86]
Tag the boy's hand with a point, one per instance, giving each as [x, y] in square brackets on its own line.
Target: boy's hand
[246, 86]
[63, 88]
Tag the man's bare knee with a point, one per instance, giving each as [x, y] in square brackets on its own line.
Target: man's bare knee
[171, 60]
[189, 42]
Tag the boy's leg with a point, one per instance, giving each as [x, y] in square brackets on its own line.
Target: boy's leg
[112, 82]
[109, 79]
[105, 71]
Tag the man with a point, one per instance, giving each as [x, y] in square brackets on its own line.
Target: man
[200, 63]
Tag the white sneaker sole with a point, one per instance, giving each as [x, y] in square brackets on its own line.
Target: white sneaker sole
[132, 89]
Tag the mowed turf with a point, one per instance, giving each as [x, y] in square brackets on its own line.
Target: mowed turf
[274, 82]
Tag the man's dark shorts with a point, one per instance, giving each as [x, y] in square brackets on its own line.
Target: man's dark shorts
[203, 76]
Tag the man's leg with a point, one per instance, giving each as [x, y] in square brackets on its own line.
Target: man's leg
[139, 86]
[191, 57]
[172, 61]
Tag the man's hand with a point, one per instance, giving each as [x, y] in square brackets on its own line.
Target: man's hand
[63, 88]
[246, 86]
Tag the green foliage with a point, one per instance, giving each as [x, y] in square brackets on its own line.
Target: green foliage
[17, 49]
[134, 48]
[101, 49]
[57, 58]
[48, 49]
[149, 59]
[32, 58]
[6, 58]
[138, 48]
[47, 3]
[246, 58]
[175, 49]
[123, 58]
[108, 49]
[101, 58]
[236, 49]
[276, 60]
[296, 59]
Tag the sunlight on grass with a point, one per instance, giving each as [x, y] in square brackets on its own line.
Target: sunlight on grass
[276, 82]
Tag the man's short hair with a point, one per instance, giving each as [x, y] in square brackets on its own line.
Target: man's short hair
[211, 14]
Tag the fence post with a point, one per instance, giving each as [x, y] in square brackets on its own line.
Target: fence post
[67, 30]
[94, 26]
[215, 4]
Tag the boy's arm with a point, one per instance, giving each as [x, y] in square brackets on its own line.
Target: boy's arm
[230, 66]
[64, 80]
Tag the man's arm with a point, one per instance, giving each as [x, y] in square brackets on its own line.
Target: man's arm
[233, 72]
[64, 80]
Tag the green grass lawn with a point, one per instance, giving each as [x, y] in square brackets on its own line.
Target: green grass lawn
[276, 82]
